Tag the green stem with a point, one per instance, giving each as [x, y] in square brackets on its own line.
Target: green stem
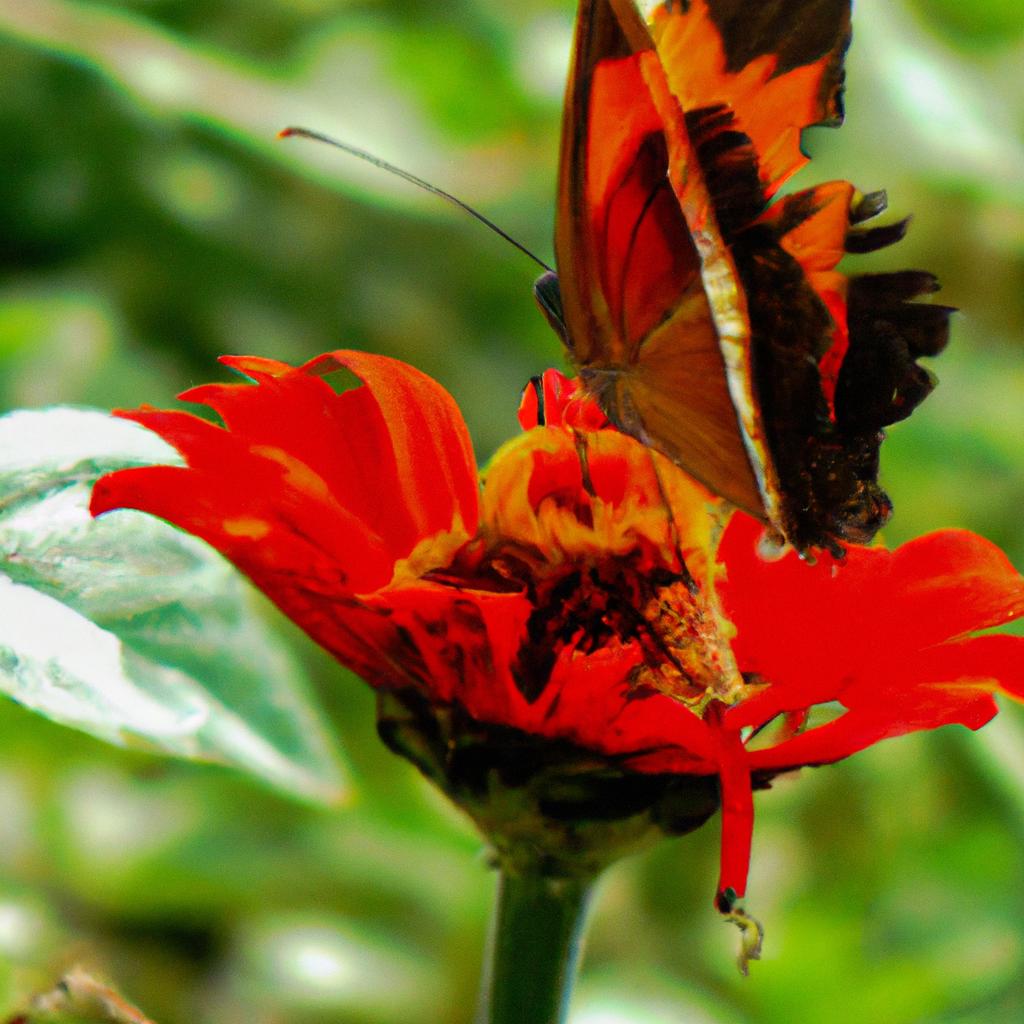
[533, 949]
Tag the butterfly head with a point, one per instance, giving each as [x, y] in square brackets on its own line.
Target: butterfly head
[549, 297]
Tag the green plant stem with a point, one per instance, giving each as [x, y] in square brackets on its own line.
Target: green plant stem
[533, 949]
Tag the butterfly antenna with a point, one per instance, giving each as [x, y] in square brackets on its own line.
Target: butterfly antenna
[362, 154]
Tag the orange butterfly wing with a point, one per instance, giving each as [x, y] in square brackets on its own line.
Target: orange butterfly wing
[704, 320]
[635, 299]
[777, 65]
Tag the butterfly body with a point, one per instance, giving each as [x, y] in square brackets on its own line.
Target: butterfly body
[704, 318]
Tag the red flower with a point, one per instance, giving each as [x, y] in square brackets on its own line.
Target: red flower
[571, 629]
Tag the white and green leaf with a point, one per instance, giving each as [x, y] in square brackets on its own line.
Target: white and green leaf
[129, 629]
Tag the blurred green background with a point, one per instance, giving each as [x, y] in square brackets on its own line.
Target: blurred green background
[151, 222]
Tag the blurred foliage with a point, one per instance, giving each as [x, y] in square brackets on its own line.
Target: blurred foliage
[151, 222]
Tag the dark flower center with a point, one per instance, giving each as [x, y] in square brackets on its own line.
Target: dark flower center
[615, 602]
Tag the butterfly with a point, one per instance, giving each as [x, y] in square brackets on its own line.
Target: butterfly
[704, 312]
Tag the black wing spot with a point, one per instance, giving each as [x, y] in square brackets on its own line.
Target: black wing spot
[729, 164]
[797, 32]
[869, 205]
[876, 238]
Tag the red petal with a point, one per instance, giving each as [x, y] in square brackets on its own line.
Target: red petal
[466, 642]
[737, 808]
[339, 437]
[245, 513]
[945, 685]
[812, 630]
[433, 453]
[308, 485]
[951, 583]
[529, 410]
[863, 727]
[557, 401]
[592, 701]
[954, 674]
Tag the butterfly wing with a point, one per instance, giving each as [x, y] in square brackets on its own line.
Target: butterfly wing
[776, 66]
[639, 322]
[706, 320]
[832, 360]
